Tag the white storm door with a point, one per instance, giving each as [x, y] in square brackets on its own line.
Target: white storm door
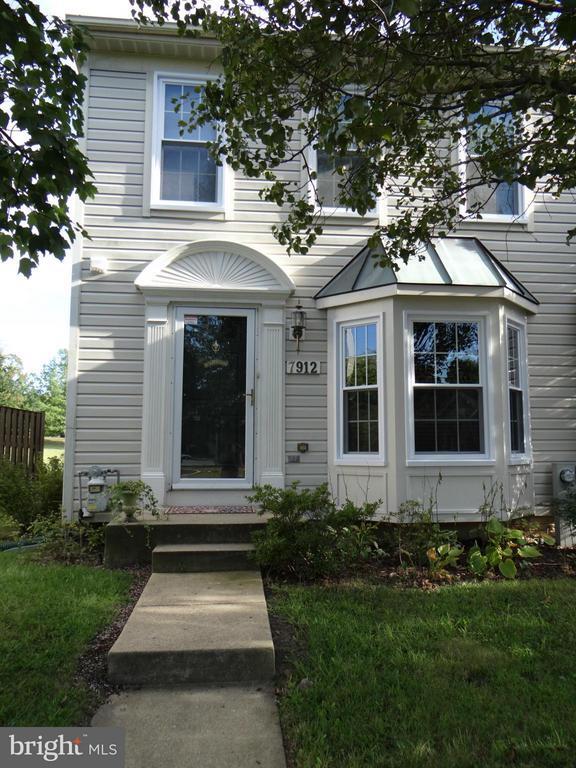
[214, 398]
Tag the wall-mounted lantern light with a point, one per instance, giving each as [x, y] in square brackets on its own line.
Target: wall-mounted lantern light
[298, 324]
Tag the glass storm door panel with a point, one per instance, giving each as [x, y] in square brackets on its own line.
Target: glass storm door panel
[217, 397]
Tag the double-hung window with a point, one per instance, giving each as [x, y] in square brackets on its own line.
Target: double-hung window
[516, 388]
[359, 389]
[493, 200]
[448, 394]
[333, 173]
[331, 177]
[184, 175]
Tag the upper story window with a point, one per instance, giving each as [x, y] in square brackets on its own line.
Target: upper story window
[517, 388]
[498, 200]
[331, 176]
[184, 175]
[359, 395]
[448, 394]
[333, 173]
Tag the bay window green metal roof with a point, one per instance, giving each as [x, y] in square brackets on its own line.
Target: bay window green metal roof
[451, 261]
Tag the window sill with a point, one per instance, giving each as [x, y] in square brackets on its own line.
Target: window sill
[494, 218]
[361, 460]
[521, 460]
[165, 205]
[345, 213]
[443, 460]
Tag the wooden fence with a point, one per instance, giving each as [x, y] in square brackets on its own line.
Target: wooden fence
[21, 436]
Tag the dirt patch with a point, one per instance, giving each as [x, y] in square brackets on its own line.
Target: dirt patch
[93, 664]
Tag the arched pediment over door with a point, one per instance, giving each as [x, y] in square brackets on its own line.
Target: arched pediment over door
[215, 268]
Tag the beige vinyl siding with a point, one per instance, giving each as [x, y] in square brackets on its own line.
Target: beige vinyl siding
[111, 334]
[539, 256]
[111, 338]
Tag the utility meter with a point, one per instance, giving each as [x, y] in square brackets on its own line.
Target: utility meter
[97, 489]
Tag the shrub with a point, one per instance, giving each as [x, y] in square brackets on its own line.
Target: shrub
[67, 542]
[421, 540]
[9, 528]
[564, 506]
[16, 493]
[26, 497]
[47, 487]
[504, 550]
[308, 536]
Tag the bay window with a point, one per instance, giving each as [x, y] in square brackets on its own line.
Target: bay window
[448, 394]
[184, 174]
[359, 390]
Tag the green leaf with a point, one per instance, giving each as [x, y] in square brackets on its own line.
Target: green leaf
[566, 27]
[529, 551]
[495, 527]
[514, 533]
[409, 7]
[477, 562]
[549, 540]
[507, 568]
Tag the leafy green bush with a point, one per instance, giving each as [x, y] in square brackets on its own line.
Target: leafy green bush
[421, 540]
[47, 486]
[505, 548]
[26, 497]
[564, 506]
[9, 528]
[308, 536]
[16, 493]
[67, 542]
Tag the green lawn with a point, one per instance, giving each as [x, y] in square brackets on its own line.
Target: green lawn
[48, 614]
[53, 446]
[467, 676]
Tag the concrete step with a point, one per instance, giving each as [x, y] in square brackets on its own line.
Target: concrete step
[195, 558]
[196, 628]
[132, 543]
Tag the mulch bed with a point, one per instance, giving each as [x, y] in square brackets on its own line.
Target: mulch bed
[93, 664]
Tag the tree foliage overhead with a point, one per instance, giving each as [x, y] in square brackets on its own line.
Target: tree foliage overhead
[415, 75]
[41, 166]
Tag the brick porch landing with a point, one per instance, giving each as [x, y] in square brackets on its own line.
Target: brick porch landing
[209, 510]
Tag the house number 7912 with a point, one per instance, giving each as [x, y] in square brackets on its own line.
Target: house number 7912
[303, 367]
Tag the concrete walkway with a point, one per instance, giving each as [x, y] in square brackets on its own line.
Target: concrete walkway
[199, 628]
[201, 640]
[197, 727]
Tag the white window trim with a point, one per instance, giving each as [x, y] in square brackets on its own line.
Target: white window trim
[485, 381]
[525, 456]
[522, 217]
[156, 202]
[378, 212]
[363, 459]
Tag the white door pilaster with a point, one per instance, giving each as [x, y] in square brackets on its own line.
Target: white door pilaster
[154, 404]
[270, 403]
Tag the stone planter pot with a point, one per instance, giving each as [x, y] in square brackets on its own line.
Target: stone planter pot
[130, 506]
